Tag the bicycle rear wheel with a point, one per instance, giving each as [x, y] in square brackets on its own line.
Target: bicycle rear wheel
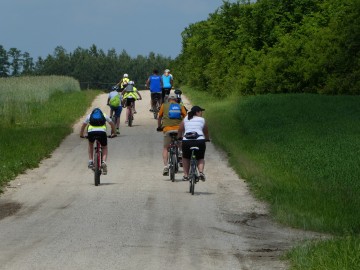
[192, 178]
[130, 118]
[97, 166]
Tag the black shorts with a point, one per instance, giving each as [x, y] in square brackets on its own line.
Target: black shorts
[101, 136]
[129, 100]
[187, 144]
[155, 96]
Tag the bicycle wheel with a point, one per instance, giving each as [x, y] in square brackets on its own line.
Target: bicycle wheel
[97, 166]
[172, 167]
[192, 177]
[130, 117]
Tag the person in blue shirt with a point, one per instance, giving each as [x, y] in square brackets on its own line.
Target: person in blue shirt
[154, 83]
[167, 84]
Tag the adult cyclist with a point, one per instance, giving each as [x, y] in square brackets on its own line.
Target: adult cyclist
[167, 84]
[194, 132]
[130, 95]
[124, 81]
[170, 117]
[155, 85]
[97, 132]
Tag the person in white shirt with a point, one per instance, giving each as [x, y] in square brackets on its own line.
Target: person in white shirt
[194, 132]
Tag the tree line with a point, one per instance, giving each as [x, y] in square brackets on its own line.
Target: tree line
[93, 67]
[274, 46]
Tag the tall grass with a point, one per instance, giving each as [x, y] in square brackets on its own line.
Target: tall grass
[301, 154]
[46, 108]
[18, 95]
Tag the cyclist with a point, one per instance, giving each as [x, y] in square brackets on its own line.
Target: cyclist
[114, 101]
[170, 117]
[167, 83]
[130, 95]
[98, 132]
[124, 81]
[155, 85]
[194, 132]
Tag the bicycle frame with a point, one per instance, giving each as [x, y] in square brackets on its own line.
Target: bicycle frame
[173, 157]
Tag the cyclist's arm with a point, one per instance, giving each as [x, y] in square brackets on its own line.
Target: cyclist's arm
[147, 83]
[183, 112]
[160, 116]
[82, 130]
[138, 92]
[181, 130]
[206, 132]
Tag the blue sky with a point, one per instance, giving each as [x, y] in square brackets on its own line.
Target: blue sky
[137, 26]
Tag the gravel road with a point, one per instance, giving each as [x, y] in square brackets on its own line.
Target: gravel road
[53, 217]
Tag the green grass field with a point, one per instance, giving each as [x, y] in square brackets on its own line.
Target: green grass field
[32, 134]
[299, 153]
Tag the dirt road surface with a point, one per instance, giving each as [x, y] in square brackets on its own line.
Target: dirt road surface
[53, 217]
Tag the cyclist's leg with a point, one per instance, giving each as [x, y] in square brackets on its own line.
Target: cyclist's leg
[200, 155]
[167, 141]
[186, 157]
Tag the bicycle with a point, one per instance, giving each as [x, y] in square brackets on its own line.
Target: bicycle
[173, 154]
[194, 173]
[130, 112]
[97, 159]
[156, 105]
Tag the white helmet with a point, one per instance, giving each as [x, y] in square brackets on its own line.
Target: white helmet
[131, 82]
[167, 70]
[126, 75]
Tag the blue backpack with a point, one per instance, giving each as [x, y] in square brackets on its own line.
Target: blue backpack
[174, 111]
[97, 118]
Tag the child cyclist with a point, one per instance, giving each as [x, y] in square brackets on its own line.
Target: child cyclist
[114, 101]
[96, 123]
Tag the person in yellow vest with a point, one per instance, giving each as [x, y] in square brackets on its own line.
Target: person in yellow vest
[169, 119]
[96, 123]
[124, 81]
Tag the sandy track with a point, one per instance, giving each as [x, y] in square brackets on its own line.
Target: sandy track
[136, 219]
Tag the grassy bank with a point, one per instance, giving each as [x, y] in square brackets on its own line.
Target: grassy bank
[29, 136]
[300, 153]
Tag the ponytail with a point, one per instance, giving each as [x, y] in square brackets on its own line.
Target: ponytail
[191, 115]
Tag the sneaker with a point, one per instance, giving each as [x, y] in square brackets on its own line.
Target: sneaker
[135, 112]
[202, 177]
[91, 164]
[104, 168]
[151, 110]
[185, 178]
[166, 171]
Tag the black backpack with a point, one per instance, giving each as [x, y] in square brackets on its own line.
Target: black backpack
[97, 118]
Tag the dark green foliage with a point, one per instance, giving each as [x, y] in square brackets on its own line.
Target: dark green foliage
[274, 46]
[92, 67]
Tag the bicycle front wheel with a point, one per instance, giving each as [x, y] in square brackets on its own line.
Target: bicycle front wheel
[172, 167]
[192, 178]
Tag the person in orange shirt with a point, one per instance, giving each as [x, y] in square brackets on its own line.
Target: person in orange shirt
[169, 119]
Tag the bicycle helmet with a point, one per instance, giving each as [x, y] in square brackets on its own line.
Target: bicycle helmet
[131, 82]
[167, 70]
[115, 87]
[126, 75]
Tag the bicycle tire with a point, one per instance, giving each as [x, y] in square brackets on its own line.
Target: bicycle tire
[172, 167]
[192, 178]
[130, 118]
[97, 166]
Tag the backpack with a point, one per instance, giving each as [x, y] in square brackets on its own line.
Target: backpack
[97, 118]
[115, 101]
[129, 88]
[174, 111]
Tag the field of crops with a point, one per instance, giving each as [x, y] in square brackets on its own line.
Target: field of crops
[18, 96]
[36, 113]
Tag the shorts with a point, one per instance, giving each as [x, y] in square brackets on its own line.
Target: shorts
[167, 138]
[187, 144]
[117, 110]
[101, 136]
[128, 101]
[155, 96]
